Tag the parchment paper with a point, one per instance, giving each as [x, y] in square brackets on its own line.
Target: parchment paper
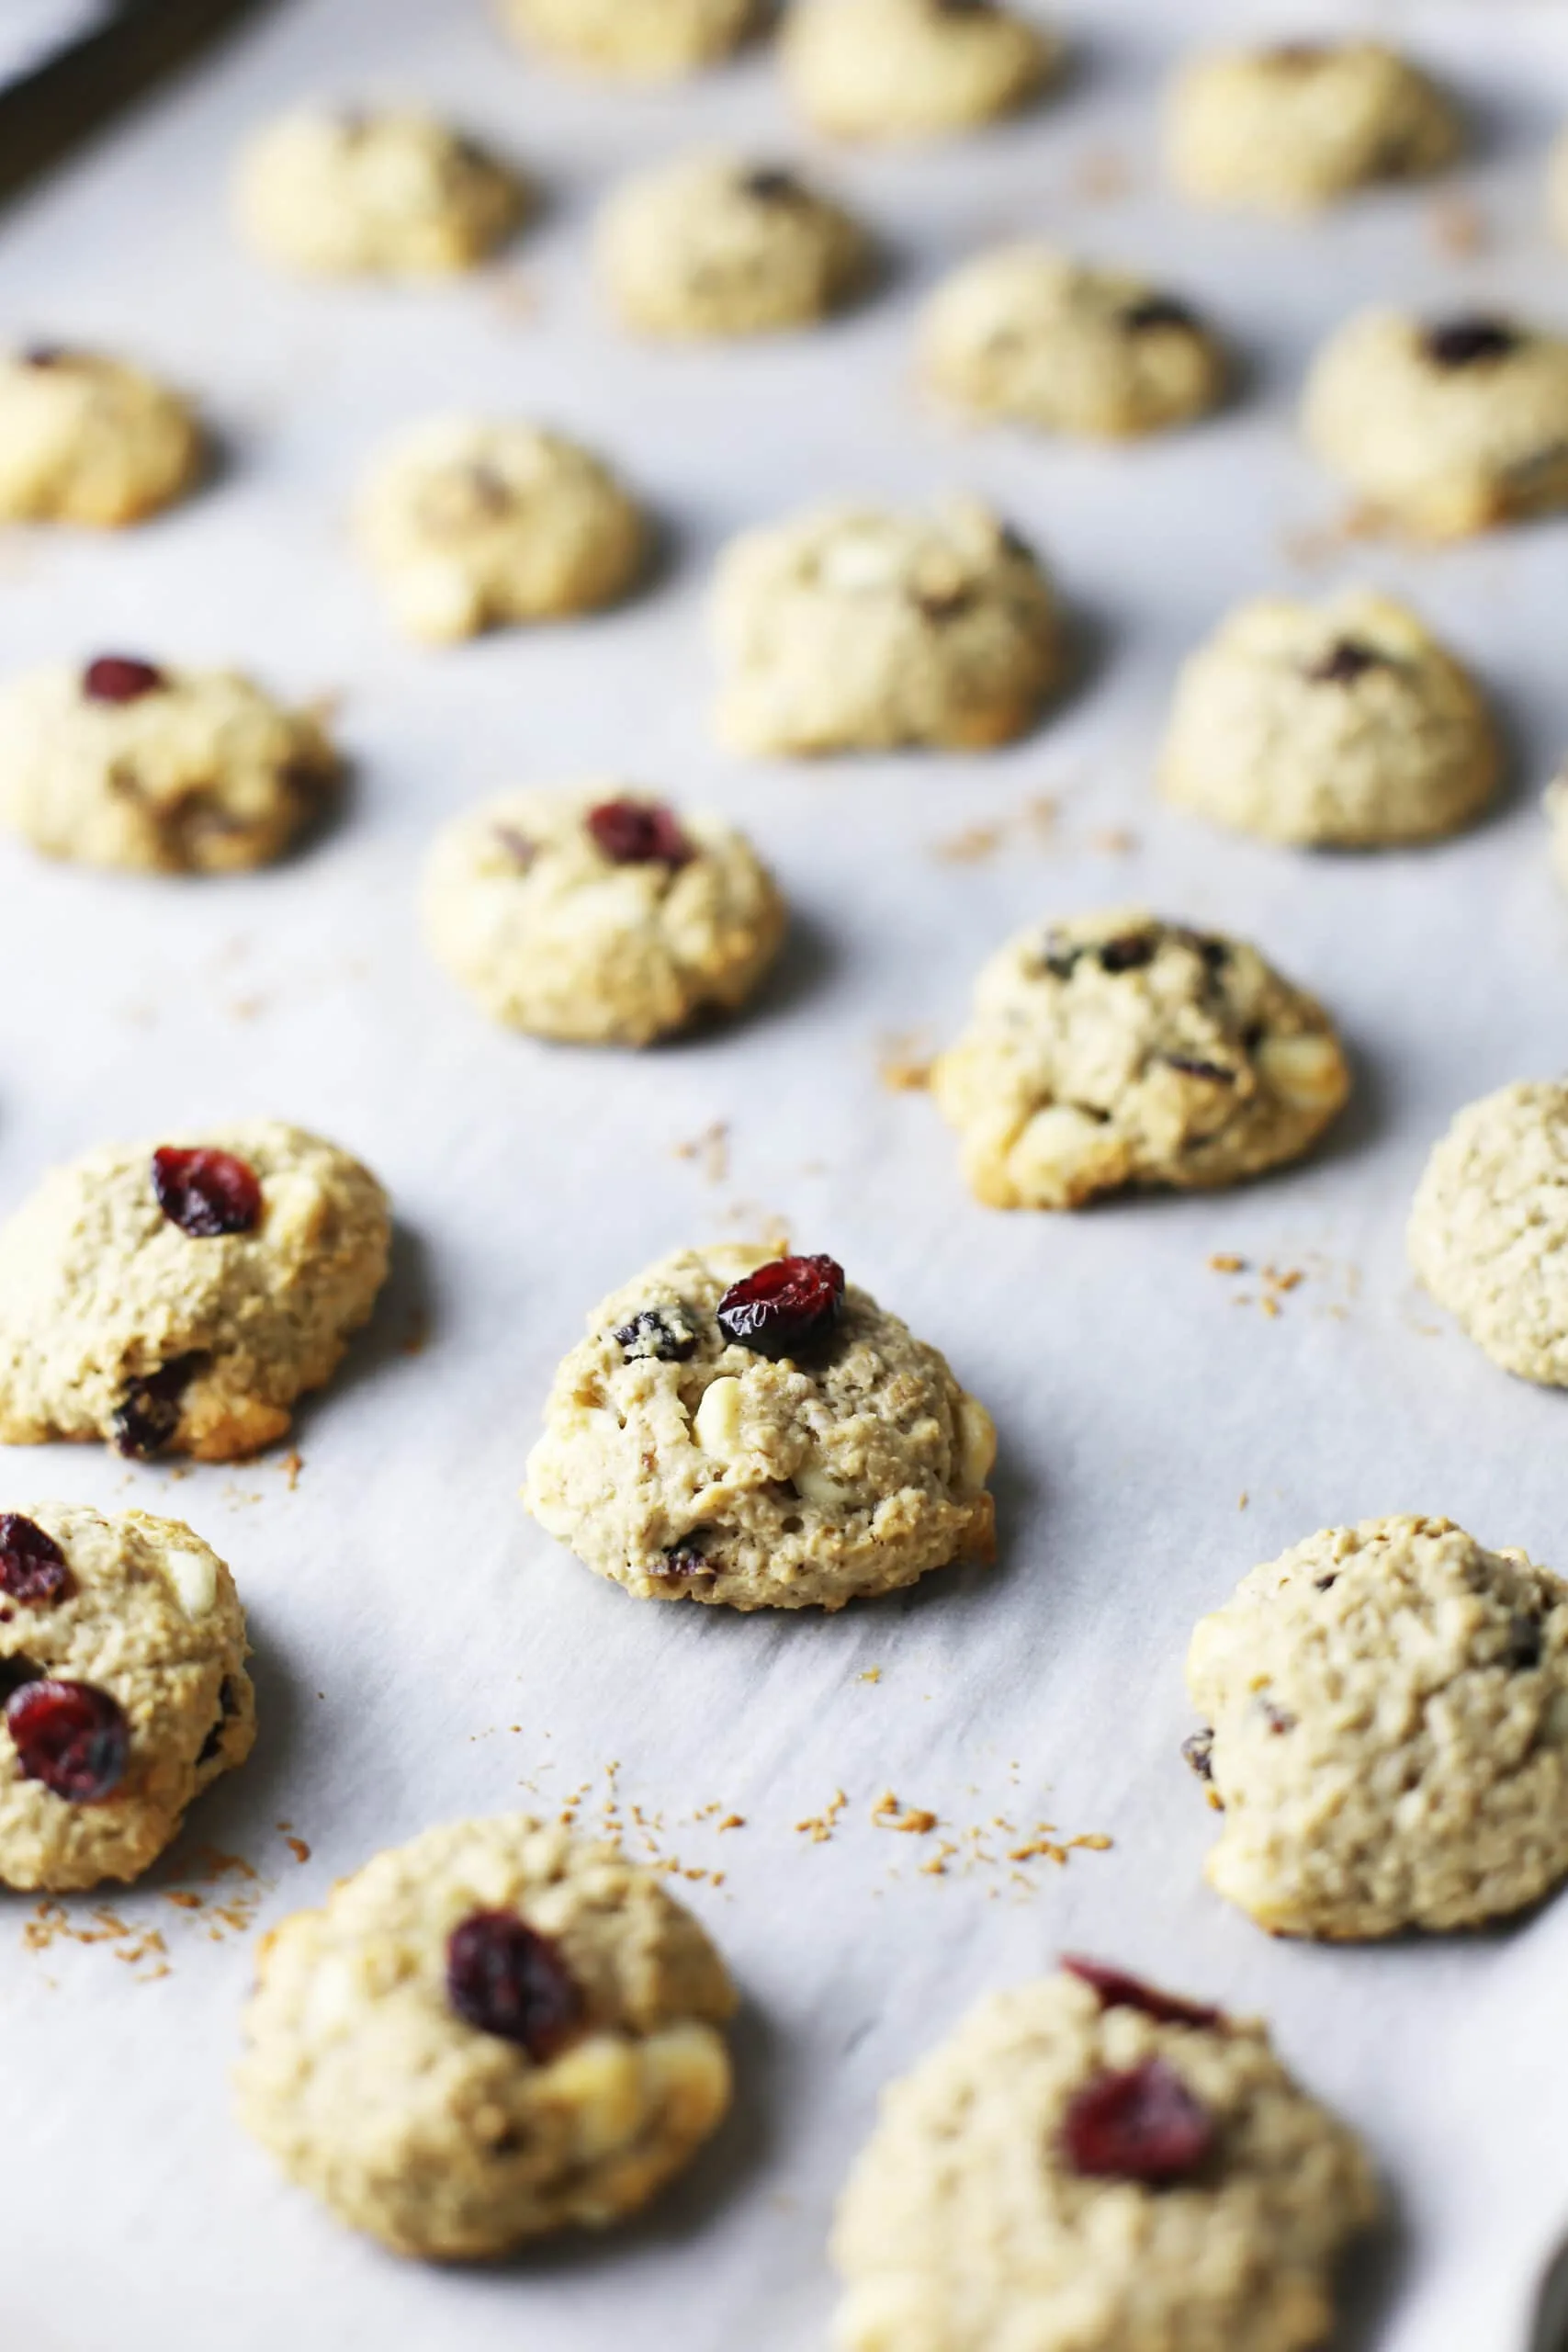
[422, 1652]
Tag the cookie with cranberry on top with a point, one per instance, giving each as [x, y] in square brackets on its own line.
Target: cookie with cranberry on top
[1090, 2164]
[177, 1297]
[129, 763]
[601, 915]
[490, 2033]
[744, 1426]
[123, 1690]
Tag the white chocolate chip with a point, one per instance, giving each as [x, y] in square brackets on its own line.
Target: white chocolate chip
[814, 1485]
[1306, 1072]
[193, 1576]
[862, 561]
[718, 1423]
[977, 1443]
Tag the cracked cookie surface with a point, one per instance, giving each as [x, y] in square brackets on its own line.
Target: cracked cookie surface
[145, 1613]
[1115, 1049]
[653, 40]
[1387, 1708]
[86, 439]
[912, 69]
[715, 245]
[1488, 1233]
[855, 629]
[1303, 124]
[118, 1323]
[599, 928]
[1338, 725]
[1446, 427]
[969, 2221]
[471, 525]
[455, 2112]
[167, 771]
[684, 1464]
[392, 194]
[1026, 332]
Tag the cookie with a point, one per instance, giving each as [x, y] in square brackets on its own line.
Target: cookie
[1488, 1232]
[470, 525]
[740, 1427]
[393, 194]
[912, 69]
[156, 769]
[651, 41]
[599, 916]
[495, 2031]
[1338, 725]
[1445, 429]
[176, 1298]
[88, 440]
[1089, 2164]
[851, 628]
[123, 1690]
[1024, 332]
[1114, 1049]
[713, 246]
[1303, 124]
[1386, 1732]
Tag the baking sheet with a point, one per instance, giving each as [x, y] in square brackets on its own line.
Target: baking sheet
[422, 1651]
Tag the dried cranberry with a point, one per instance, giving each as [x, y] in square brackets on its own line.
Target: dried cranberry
[44, 354]
[206, 1193]
[72, 1737]
[504, 1978]
[1141, 2125]
[1525, 1642]
[683, 1560]
[228, 1708]
[1344, 663]
[1280, 1719]
[1471, 343]
[32, 1565]
[1199, 1753]
[149, 1413]
[784, 1305]
[518, 847]
[1118, 1991]
[1059, 956]
[1154, 311]
[119, 677]
[772, 185]
[661, 1333]
[638, 832]
[1130, 953]
[1192, 1067]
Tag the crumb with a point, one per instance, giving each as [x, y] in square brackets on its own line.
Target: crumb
[183, 1899]
[1100, 176]
[733, 1821]
[514, 295]
[291, 1465]
[872, 1674]
[969, 847]
[1243, 1499]
[1114, 841]
[819, 1826]
[1269, 1304]
[1224, 1261]
[1459, 228]
[298, 1848]
[904, 1062]
[246, 1007]
[710, 1148]
[416, 1335]
[1044, 812]
[890, 1813]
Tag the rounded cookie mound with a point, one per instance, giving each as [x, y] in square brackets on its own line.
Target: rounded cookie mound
[1115, 1049]
[1027, 333]
[852, 629]
[1445, 428]
[158, 771]
[87, 440]
[177, 1297]
[1489, 1227]
[470, 525]
[123, 1690]
[487, 2034]
[711, 245]
[740, 1427]
[353, 194]
[1090, 2164]
[1387, 1712]
[1341, 725]
[1289, 129]
[599, 916]
[653, 40]
[911, 69]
